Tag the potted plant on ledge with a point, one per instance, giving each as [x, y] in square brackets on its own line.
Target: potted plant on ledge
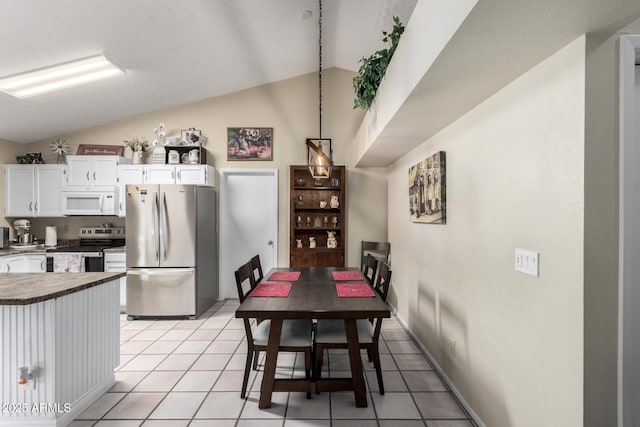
[373, 68]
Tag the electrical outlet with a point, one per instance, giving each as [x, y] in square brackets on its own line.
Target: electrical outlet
[452, 347]
[527, 262]
[65, 228]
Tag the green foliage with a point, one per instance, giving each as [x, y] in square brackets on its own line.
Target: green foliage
[372, 69]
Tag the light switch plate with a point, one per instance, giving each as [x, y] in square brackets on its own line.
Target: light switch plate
[527, 262]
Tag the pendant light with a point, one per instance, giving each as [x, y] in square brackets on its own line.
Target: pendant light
[319, 150]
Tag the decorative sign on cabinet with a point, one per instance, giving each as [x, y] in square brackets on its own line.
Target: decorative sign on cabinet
[317, 218]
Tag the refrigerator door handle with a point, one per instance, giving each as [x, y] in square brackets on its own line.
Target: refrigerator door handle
[164, 233]
[161, 272]
[154, 230]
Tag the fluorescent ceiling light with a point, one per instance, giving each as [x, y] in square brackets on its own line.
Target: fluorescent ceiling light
[59, 77]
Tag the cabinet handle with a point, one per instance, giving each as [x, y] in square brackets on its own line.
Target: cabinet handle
[179, 174]
[8, 268]
[42, 265]
[36, 207]
[88, 179]
[30, 206]
[120, 206]
[94, 176]
[173, 174]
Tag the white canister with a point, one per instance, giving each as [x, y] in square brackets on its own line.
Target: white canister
[174, 157]
[51, 236]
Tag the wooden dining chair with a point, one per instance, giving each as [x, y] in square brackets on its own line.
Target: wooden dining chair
[379, 250]
[256, 267]
[370, 269]
[330, 333]
[295, 335]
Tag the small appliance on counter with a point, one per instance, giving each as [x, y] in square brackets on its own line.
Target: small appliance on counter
[4, 237]
[23, 235]
[51, 236]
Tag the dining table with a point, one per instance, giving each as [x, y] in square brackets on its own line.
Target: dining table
[313, 296]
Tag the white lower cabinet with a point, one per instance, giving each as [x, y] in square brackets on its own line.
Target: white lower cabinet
[23, 263]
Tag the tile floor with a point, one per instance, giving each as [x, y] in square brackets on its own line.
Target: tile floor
[177, 373]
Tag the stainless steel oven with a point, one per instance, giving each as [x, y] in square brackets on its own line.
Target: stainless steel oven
[92, 241]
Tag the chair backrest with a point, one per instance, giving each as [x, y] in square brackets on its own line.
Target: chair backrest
[370, 268]
[383, 282]
[256, 268]
[380, 250]
[245, 281]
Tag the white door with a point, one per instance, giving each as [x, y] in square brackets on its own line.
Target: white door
[248, 222]
[79, 170]
[160, 174]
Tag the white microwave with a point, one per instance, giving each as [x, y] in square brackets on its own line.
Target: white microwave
[89, 202]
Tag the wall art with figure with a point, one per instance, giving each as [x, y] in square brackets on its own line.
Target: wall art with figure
[427, 190]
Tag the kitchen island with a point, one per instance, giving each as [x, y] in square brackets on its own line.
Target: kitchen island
[63, 330]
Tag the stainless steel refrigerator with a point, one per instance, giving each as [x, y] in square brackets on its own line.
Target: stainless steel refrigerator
[171, 250]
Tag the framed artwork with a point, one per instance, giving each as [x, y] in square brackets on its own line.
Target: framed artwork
[100, 150]
[250, 144]
[427, 190]
[191, 136]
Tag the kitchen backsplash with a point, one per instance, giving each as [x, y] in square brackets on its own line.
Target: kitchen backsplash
[68, 227]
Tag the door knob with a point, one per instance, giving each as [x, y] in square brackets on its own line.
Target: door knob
[270, 243]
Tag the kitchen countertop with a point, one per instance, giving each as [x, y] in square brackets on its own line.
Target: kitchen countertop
[40, 249]
[31, 288]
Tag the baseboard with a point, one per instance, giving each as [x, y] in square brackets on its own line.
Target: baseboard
[86, 400]
[433, 361]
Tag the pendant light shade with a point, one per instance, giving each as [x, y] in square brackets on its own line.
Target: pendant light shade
[319, 157]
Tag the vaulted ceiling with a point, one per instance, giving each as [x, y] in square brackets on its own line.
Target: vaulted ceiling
[174, 51]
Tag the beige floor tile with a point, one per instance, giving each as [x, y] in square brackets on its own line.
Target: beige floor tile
[343, 406]
[192, 347]
[204, 334]
[277, 409]
[135, 406]
[144, 362]
[235, 324]
[177, 362]
[127, 380]
[395, 406]
[189, 324]
[307, 423]
[231, 334]
[178, 405]
[137, 324]
[395, 334]
[402, 423]
[318, 407]
[159, 381]
[211, 362]
[221, 405]
[148, 335]
[118, 423]
[82, 423]
[134, 347]
[162, 347]
[412, 362]
[423, 381]
[449, 423]
[353, 423]
[197, 381]
[101, 406]
[214, 324]
[231, 381]
[128, 334]
[166, 423]
[176, 335]
[438, 405]
[213, 423]
[164, 324]
[399, 347]
[392, 381]
[238, 360]
[220, 346]
[124, 359]
[259, 423]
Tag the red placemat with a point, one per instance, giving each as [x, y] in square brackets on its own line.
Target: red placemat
[347, 275]
[285, 276]
[278, 290]
[354, 290]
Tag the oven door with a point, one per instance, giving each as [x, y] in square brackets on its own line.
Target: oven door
[93, 261]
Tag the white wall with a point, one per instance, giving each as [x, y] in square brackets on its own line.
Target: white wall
[291, 108]
[514, 180]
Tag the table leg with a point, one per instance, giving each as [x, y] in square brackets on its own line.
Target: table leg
[269, 375]
[357, 375]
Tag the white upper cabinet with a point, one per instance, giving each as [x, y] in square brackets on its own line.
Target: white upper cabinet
[33, 190]
[93, 171]
[161, 174]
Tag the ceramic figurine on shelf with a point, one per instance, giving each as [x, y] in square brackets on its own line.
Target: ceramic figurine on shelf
[323, 204]
[312, 242]
[334, 203]
[332, 242]
[298, 243]
[334, 221]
